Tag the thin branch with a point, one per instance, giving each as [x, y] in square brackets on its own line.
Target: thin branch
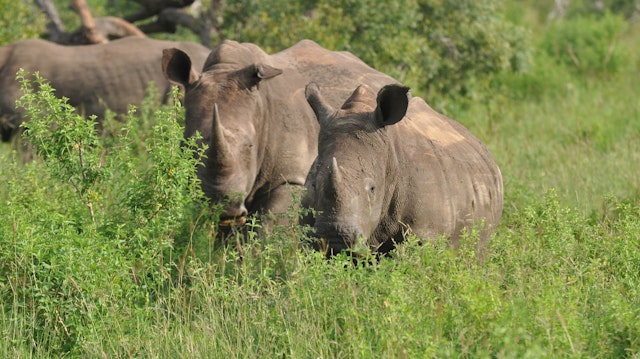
[111, 26]
[88, 24]
[84, 179]
[573, 56]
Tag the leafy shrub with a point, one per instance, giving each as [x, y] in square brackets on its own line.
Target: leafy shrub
[545, 78]
[558, 258]
[445, 50]
[87, 230]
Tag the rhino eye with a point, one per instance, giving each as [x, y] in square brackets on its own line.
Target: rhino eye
[369, 186]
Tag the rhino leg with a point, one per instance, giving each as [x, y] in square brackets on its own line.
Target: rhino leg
[274, 205]
[9, 126]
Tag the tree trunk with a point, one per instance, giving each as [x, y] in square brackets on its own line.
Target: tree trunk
[55, 27]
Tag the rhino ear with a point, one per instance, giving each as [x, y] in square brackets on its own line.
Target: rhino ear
[318, 104]
[251, 76]
[392, 105]
[266, 72]
[177, 68]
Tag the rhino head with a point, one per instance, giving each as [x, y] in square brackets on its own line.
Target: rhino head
[350, 184]
[223, 106]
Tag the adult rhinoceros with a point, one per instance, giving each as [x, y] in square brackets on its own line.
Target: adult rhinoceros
[93, 77]
[249, 107]
[387, 164]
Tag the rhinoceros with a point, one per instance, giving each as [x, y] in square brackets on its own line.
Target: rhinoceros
[249, 108]
[92, 77]
[388, 165]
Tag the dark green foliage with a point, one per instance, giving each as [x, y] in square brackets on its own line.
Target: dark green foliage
[444, 49]
[471, 42]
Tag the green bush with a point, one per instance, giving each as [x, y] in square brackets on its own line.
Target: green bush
[588, 44]
[19, 20]
[545, 78]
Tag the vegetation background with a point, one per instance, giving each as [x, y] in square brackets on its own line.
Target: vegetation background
[107, 248]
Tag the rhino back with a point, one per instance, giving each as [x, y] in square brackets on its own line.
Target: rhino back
[449, 177]
[95, 77]
[337, 72]
[116, 74]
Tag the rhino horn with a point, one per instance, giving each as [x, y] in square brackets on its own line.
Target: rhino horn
[218, 141]
[336, 175]
[319, 105]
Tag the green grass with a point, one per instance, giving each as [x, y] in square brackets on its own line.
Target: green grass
[561, 277]
[583, 143]
[550, 129]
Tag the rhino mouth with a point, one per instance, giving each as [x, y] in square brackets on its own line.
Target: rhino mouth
[333, 239]
[232, 221]
[235, 214]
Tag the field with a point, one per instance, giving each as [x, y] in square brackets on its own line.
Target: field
[107, 249]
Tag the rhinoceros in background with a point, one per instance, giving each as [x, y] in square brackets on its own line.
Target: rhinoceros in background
[249, 107]
[93, 77]
[389, 164]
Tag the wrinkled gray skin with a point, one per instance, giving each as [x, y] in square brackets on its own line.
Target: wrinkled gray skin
[390, 163]
[93, 77]
[263, 141]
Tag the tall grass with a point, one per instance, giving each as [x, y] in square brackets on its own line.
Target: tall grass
[555, 283]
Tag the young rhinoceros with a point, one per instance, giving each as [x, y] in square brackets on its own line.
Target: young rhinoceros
[391, 163]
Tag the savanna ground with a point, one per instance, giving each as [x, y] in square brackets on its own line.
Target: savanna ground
[106, 249]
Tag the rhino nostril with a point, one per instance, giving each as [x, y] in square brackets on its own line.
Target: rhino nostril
[234, 206]
[234, 215]
[238, 210]
[243, 211]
